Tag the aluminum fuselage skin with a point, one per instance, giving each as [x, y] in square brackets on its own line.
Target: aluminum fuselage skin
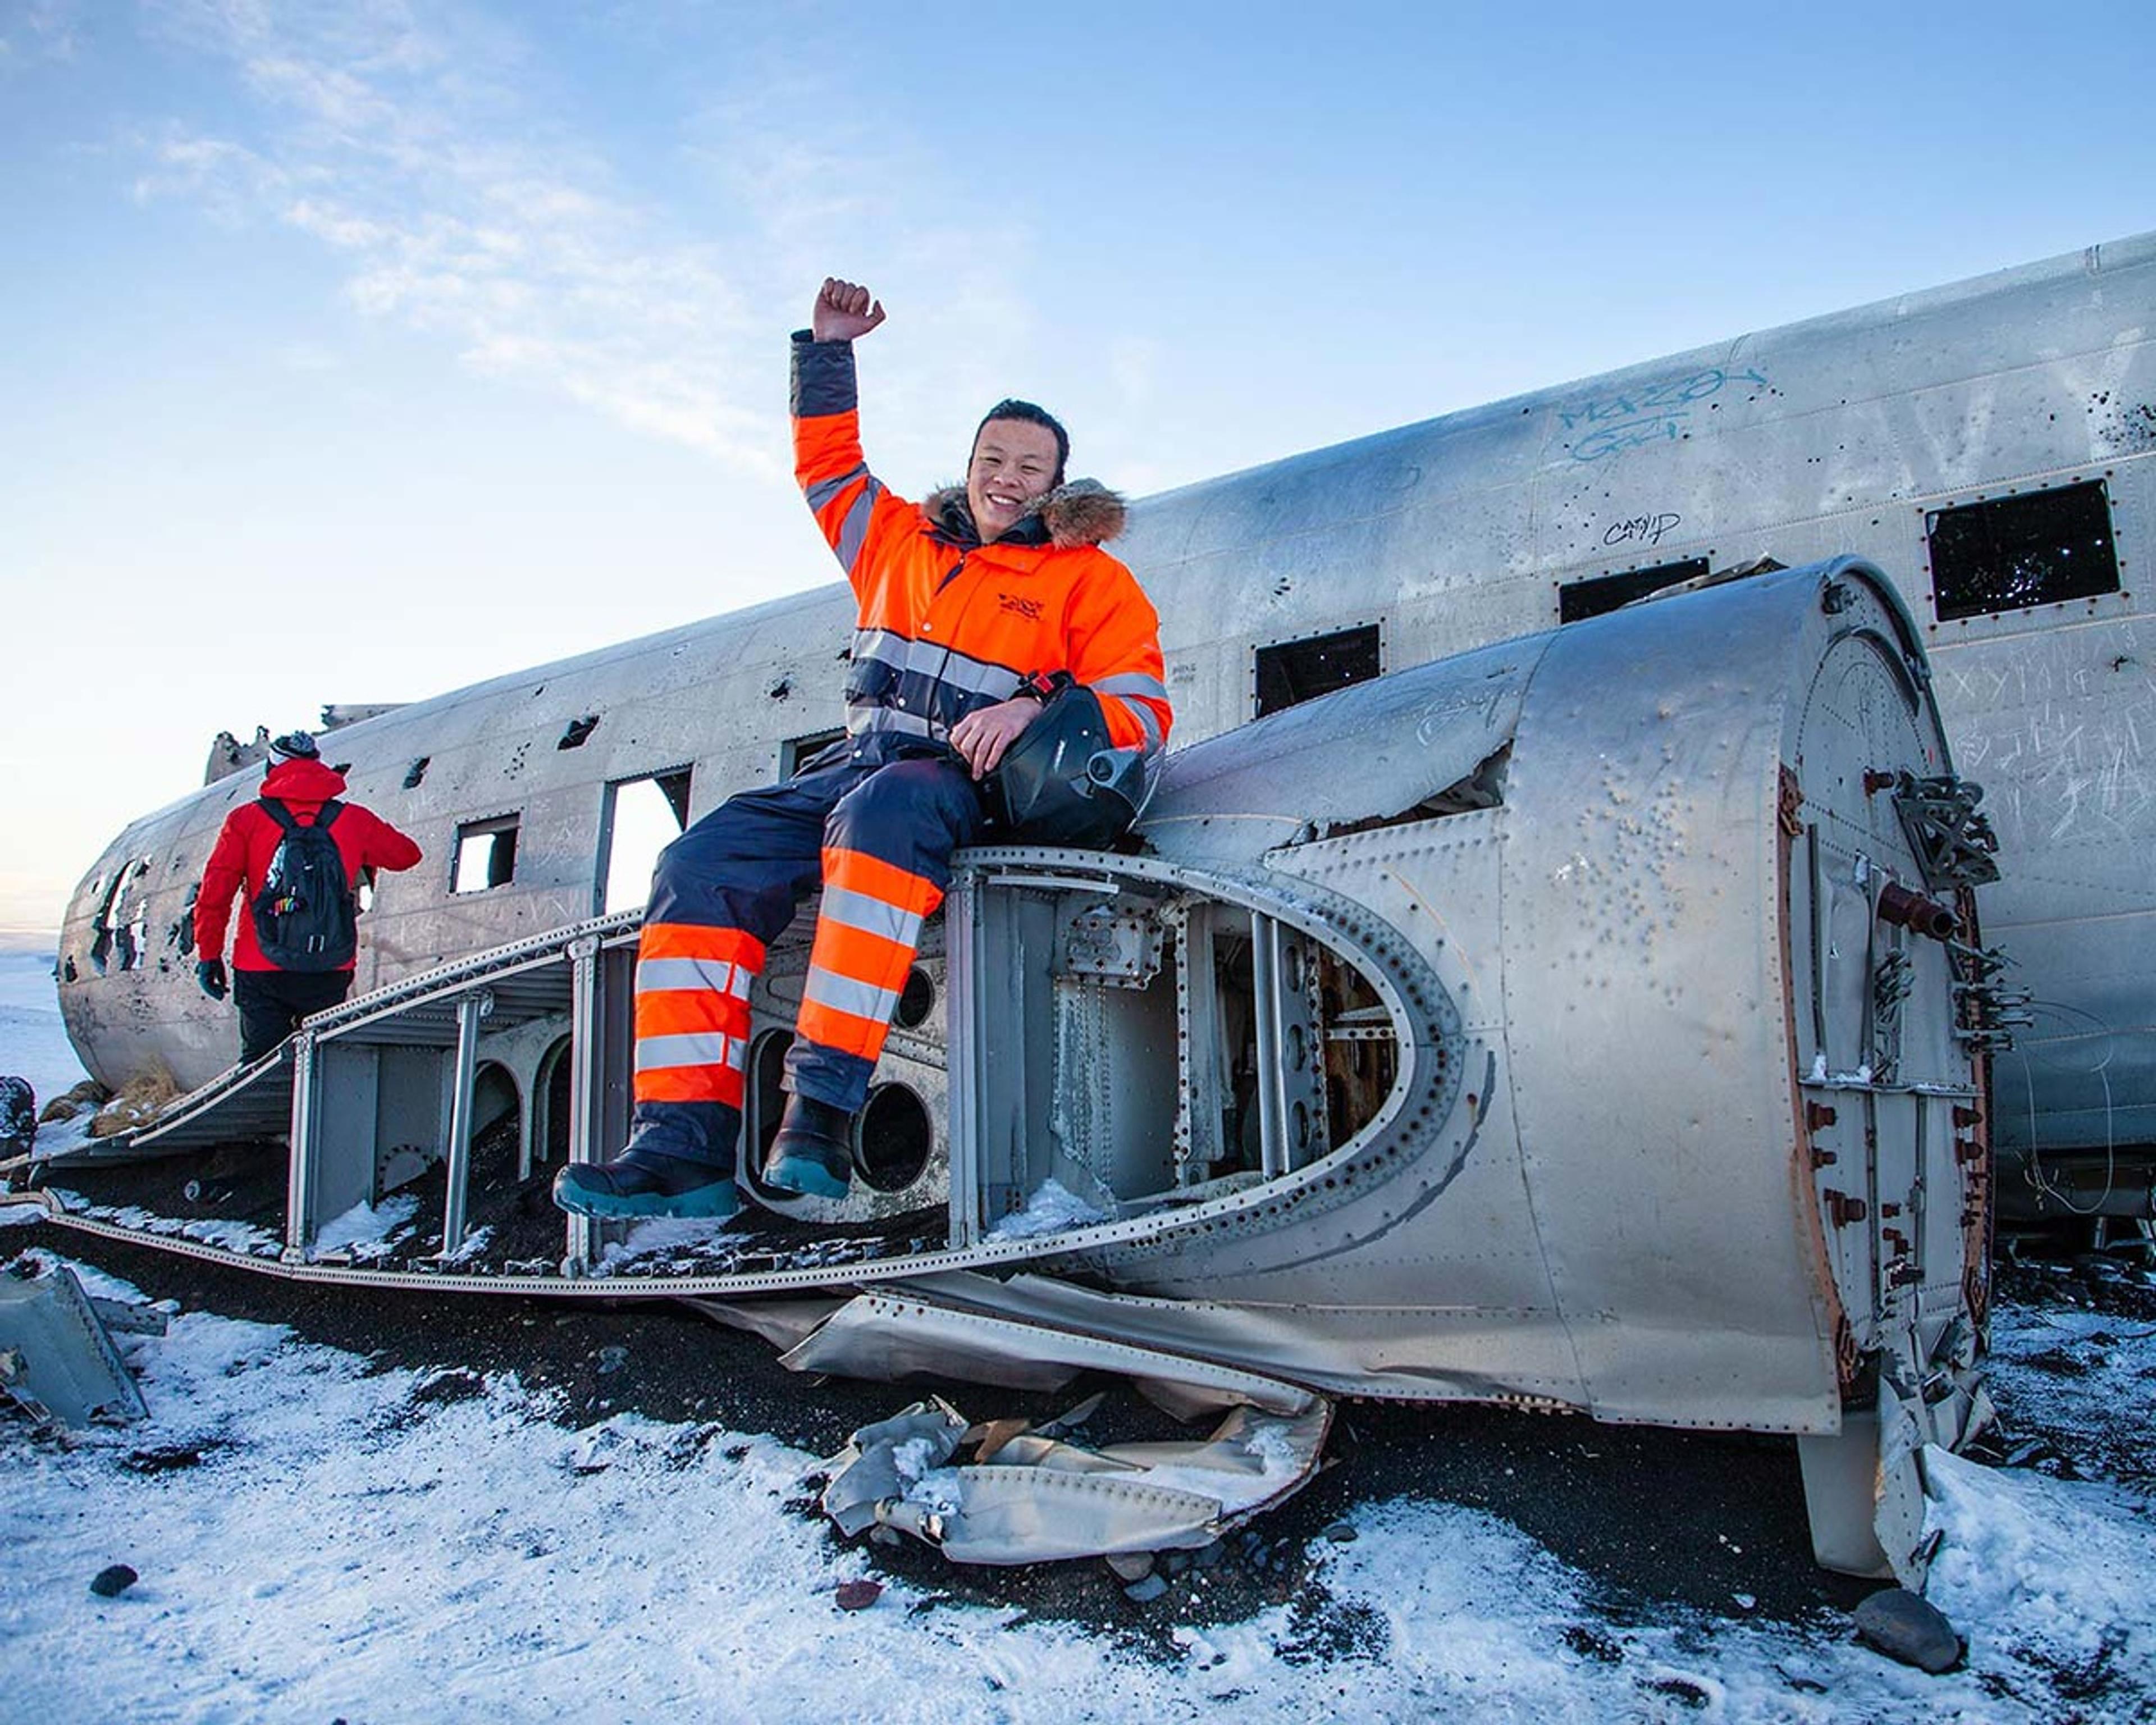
[1841, 435]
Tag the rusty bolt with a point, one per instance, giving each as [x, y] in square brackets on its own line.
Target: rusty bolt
[1816, 1116]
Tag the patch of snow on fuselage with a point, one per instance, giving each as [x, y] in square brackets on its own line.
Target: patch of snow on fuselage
[1051, 1211]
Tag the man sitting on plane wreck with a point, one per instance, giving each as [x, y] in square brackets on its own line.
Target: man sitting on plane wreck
[975, 607]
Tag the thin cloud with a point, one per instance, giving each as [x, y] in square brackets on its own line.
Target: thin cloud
[520, 253]
[419, 148]
[44, 30]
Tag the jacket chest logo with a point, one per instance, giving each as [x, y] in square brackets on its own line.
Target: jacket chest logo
[1028, 608]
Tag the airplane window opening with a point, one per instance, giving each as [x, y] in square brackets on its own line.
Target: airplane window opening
[485, 854]
[417, 771]
[579, 731]
[121, 930]
[1600, 593]
[674, 786]
[796, 752]
[640, 819]
[895, 1136]
[2011, 553]
[1291, 672]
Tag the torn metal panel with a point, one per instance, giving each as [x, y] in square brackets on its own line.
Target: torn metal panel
[890, 1337]
[60, 1356]
[1418, 733]
[783, 1323]
[1289, 1342]
[1043, 1497]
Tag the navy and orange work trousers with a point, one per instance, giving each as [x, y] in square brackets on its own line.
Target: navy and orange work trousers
[877, 834]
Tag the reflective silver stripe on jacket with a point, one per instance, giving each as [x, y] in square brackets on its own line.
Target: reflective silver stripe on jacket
[860, 721]
[1138, 683]
[855, 528]
[936, 662]
[824, 490]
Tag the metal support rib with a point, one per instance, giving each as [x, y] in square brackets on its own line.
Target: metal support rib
[1272, 1097]
[962, 935]
[300, 1172]
[584, 1057]
[471, 1008]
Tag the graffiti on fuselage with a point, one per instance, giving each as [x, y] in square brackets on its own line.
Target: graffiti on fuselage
[1658, 412]
[1641, 529]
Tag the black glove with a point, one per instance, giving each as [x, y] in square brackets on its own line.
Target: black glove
[209, 975]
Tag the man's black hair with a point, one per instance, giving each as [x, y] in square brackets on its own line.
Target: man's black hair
[1010, 408]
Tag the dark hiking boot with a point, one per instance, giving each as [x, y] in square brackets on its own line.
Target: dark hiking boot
[641, 1182]
[813, 1153]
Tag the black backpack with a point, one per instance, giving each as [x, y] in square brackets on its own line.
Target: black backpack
[305, 916]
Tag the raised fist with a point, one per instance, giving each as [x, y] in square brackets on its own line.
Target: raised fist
[843, 311]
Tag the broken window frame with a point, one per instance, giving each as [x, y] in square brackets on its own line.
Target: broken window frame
[1597, 595]
[1285, 667]
[1967, 579]
[501, 856]
[122, 929]
[797, 749]
[676, 784]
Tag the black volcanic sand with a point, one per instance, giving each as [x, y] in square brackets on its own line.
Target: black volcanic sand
[1662, 1522]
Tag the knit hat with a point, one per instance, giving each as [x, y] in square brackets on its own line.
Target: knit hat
[295, 746]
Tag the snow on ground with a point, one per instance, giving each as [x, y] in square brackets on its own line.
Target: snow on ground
[319, 1539]
[33, 1043]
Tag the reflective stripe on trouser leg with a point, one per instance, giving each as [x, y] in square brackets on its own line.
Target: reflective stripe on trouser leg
[886, 862]
[692, 988]
[865, 936]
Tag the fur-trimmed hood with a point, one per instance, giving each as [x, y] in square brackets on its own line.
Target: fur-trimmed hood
[1077, 512]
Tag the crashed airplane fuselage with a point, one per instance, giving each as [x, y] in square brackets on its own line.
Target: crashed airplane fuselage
[1608, 1039]
[1989, 444]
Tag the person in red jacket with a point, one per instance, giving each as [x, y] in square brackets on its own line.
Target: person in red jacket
[273, 1000]
[973, 607]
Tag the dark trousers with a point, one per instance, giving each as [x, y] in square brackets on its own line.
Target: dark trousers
[271, 1003]
[890, 826]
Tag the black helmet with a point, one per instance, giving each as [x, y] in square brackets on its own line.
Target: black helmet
[1063, 781]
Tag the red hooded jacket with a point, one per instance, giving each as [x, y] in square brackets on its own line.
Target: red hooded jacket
[241, 857]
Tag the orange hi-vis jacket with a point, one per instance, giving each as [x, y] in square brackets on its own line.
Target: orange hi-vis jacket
[949, 624]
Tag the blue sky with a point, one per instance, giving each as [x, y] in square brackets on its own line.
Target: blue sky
[358, 351]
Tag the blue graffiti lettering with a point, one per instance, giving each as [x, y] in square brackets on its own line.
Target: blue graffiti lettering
[1616, 439]
[1667, 396]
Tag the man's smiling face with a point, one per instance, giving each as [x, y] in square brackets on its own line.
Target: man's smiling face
[1013, 467]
